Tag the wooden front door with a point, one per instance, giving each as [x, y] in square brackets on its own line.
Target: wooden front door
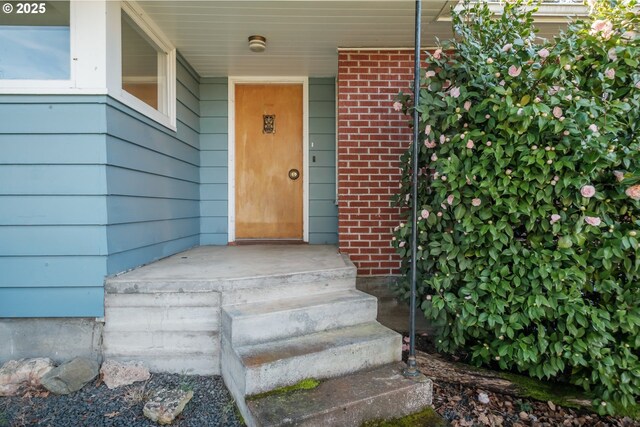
[268, 146]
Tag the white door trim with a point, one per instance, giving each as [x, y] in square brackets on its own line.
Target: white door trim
[232, 81]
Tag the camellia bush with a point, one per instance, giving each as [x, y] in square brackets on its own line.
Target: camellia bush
[529, 197]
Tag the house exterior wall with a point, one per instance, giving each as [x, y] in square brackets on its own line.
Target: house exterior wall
[153, 180]
[323, 211]
[53, 216]
[214, 160]
[371, 139]
[88, 188]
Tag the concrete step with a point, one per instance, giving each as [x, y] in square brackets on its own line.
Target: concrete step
[176, 363]
[243, 286]
[261, 322]
[155, 319]
[380, 393]
[254, 369]
[160, 342]
[291, 286]
[163, 299]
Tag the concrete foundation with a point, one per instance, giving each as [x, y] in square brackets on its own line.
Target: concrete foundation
[59, 339]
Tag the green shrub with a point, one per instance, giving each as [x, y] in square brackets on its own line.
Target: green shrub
[529, 191]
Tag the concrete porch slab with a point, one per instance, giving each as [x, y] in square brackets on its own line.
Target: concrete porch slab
[218, 268]
[380, 393]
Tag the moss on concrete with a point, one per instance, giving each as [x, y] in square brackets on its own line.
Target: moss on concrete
[425, 418]
[306, 384]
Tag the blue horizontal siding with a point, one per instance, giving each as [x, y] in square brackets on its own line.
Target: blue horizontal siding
[52, 179]
[52, 149]
[52, 271]
[53, 244]
[141, 255]
[126, 209]
[45, 210]
[52, 117]
[323, 212]
[53, 240]
[52, 302]
[214, 161]
[153, 180]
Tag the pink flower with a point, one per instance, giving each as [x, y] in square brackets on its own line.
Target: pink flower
[450, 199]
[434, 157]
[611, 53]
[610, 73]
[515, 71]
[507, 47]
[454, 92]
[593, 128]
[424, 214]
[489, 61]
[588, 191]
[430, 73]
[592, 220]
[508, 171]
[554, 218]
[619, 175]
[476, 202]
[442, 139]
[557, 112]
[467, 105]
[488, 143]
[543, 53]
[429, 144]
[427, 130]
[604, 27]
[470, 144]
[401, 244]
[633, 192]
[397, 106]
[439, 213]
[438, 53]
[502, 82]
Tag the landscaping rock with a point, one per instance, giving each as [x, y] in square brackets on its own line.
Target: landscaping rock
[116, 374]
[70, 376]
[166, 404]
[18, 373]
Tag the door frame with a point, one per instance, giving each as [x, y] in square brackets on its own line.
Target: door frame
[232, 81]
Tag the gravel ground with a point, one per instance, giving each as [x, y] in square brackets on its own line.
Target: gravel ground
[97, 406]
[460, 406]
[463, 405]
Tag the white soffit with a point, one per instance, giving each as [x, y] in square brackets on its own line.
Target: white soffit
[302, 36]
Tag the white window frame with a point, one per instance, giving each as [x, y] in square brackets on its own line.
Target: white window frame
[79, 14]
[162, 44]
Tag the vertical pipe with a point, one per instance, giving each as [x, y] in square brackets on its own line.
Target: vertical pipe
[412, 369]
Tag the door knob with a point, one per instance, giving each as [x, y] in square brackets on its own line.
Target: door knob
[294, 174]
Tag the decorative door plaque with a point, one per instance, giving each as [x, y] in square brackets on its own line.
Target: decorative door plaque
[269, 123]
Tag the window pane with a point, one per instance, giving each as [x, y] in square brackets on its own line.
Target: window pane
[35, 41]
[140, 70]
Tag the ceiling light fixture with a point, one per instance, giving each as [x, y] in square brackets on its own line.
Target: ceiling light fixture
[257, 43]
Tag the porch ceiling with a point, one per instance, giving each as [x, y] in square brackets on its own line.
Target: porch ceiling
[302, 36]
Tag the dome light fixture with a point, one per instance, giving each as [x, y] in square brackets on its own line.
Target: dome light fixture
[257, 43]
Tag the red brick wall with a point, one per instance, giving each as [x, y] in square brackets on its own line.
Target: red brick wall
[371, 139]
